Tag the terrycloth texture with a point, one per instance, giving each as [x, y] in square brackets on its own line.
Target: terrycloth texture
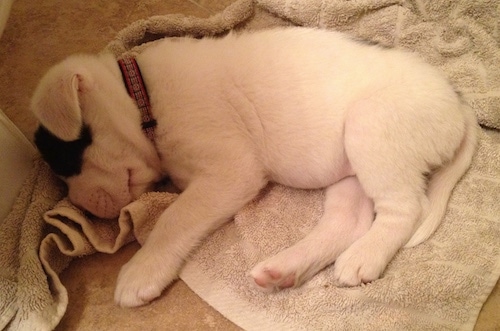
[27, 300]
[440, 284]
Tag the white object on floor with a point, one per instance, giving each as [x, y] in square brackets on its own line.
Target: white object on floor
[5, 6]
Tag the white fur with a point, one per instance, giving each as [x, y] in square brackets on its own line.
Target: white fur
[301, 107]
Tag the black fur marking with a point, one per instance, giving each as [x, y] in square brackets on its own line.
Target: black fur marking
[64, 157]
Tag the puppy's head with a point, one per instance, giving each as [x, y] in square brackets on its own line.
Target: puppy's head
[90, 135]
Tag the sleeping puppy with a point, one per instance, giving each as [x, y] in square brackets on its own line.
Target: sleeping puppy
[384, 133]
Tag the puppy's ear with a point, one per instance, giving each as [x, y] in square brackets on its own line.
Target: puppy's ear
[56, 101]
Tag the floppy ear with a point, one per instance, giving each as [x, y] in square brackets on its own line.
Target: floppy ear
[56, 101]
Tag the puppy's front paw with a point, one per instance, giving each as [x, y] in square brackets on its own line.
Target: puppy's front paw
[141, 280]
[357, 265]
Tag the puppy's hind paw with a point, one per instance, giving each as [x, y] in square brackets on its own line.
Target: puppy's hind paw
[353, 268]
[269, 280]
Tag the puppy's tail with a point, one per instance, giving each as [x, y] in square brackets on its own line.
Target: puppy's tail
[444, 180]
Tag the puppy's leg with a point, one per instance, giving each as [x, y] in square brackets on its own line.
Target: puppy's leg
[206, 204]
[347, 215]
[389, 164]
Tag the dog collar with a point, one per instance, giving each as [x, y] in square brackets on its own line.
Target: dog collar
[137, 90]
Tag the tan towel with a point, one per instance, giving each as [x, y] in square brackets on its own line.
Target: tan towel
[27, 300]
[439, 285]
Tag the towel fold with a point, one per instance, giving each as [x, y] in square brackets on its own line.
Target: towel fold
[440, 284]
[27, 300]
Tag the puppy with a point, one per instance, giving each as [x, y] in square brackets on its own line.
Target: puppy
[384, 133]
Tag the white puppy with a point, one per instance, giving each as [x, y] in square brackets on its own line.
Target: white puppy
[382, 131]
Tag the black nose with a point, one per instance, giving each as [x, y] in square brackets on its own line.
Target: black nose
[65, 158]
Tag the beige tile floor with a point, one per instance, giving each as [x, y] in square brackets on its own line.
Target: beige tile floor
[40, 33]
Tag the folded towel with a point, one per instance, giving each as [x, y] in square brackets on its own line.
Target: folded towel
[440, 284]
[27, 300]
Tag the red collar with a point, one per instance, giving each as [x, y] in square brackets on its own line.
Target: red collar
[137, 90]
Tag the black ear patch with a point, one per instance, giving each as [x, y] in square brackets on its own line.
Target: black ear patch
[64, 157]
